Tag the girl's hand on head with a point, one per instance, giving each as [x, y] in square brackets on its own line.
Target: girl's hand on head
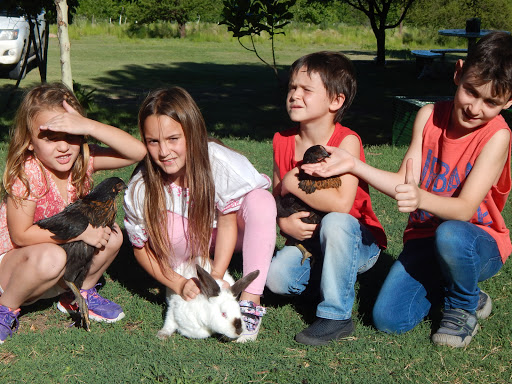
[339, 163]
[295, 227]
[190, 290]
[408, 194]
[96, 237]
[69, 121]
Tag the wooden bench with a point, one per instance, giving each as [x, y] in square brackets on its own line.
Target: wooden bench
[449, 50]
[424, 60]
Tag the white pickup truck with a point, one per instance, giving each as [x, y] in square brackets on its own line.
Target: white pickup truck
[14, 41]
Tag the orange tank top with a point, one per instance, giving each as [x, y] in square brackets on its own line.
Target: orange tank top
[445, 165]
[284, 156]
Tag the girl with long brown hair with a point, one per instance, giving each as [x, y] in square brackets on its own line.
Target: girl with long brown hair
[192, 196]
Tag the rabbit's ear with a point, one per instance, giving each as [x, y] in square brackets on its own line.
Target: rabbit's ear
[241, 284]
[207, 283]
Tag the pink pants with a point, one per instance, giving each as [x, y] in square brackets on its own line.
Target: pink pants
[256, 220]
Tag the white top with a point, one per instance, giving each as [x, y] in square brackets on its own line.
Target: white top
[233, 175]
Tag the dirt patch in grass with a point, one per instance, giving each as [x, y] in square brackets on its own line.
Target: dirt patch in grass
[36, 322]
[7, 358]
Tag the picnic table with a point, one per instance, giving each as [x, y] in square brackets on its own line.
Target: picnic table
[404, 114]
[471, 36]
[425, 58]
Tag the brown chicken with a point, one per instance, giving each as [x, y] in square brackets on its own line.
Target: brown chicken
[98, 208]
[290, 204]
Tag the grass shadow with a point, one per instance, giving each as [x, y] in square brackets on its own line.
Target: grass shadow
[245, 100]
[236, 100]
[369, 284]
[127, 271]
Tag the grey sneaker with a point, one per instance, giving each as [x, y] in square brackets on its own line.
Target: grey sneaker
[457, 328]
[484, 308]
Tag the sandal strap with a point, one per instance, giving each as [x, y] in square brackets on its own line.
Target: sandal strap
[249, 308]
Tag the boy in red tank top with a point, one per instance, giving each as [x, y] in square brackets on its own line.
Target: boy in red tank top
[322, 86]
[454, 181]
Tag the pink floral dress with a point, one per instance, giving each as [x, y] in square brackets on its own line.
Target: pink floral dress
[43, 191]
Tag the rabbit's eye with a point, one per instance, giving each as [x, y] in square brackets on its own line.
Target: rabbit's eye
[224, 314]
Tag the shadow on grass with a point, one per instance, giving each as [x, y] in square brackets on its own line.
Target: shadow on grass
[370, 283]
[367, 289]
[127, 271]
[245, 100]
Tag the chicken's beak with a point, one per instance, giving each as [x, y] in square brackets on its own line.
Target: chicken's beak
[120, 186]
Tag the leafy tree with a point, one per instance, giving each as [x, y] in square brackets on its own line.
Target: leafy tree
[325, 13]
[180, 11]
[444, 14]
[382, 14]
[249, 18]
[211, 11]
[104, 9]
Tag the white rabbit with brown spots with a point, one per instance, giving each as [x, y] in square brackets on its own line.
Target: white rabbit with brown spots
[214, 311]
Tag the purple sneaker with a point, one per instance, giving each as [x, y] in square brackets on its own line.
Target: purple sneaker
[8, 321]
[100, 309]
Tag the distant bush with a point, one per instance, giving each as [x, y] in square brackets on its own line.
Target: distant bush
[445, 14]
[360, 37]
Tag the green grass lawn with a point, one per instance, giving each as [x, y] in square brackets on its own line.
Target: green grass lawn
[243, 105]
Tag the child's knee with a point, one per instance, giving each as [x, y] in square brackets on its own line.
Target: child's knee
[454, 241]
[387, 321]
[284, 279]
[336, 222]
[383, 321]
[396, 316]
[115, 241]
[275, 281]
[262, 202]
[342, 228]
[451, 234]
[48, 263]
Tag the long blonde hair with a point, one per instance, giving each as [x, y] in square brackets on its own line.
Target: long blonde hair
[177, 104]
[41, 98]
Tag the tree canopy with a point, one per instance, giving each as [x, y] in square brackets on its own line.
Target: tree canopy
[422, 13]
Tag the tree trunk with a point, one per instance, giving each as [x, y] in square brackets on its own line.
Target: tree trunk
[183, 31]
[380, 35]
[65, 46]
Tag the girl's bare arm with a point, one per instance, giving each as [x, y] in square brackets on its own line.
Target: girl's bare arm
[291, 225]
[186, 288]
[23, 231]
[123, 149]
[342, 162]
[227, 232]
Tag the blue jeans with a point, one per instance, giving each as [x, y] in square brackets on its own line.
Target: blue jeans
[347, 248]
[445, 267]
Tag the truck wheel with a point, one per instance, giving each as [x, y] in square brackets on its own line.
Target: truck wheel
[16, 71]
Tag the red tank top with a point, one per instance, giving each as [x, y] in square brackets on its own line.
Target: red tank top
[284, 156]
[445, 165]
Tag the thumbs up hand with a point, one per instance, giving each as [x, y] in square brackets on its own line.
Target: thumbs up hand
[408, 194]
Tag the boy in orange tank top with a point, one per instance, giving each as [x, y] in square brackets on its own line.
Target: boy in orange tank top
[322, 86]
[454, 181]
